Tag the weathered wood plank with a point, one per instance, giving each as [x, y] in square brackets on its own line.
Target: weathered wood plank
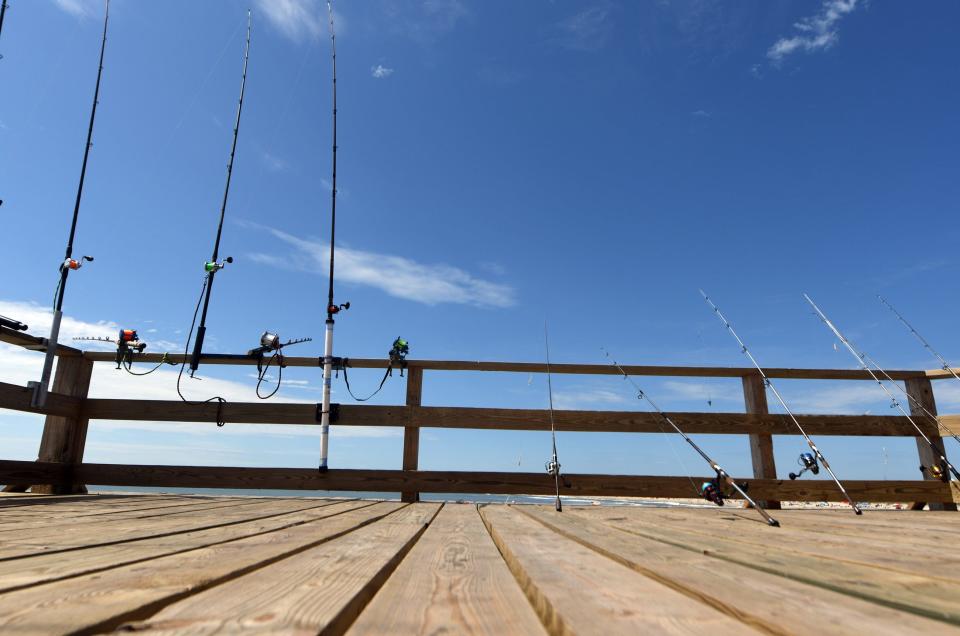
[452, 581]
[925, 595]
[84, 537]
[577, 591]
[761, 444]
[480, 482]
[884, 549]
[534, 367]
[17, 398]
[69, 523]
[46, 568]
[920, 398]
[769, 602]
[503, 419]
[321, 591]
[103, 601]
[411, 432]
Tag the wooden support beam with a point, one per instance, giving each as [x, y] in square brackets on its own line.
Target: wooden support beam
[411, 432]
[35, 343]
[64, 437]
[527, 367]
[461, 482]
[920, 392]
[761, 444]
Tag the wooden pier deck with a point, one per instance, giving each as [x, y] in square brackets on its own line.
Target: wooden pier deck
[190, 564]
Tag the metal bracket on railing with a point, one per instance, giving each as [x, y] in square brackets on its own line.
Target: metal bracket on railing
[334, 412]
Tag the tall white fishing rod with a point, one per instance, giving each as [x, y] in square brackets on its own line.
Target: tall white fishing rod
[721, 473]
[893, 400]
[332, 308]
[39, 396]
[769, 384]
[944, 364]
[553, 466]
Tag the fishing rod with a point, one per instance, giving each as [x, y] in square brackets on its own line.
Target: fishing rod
[808, 461]
[552, 466]
[332, 308]
[39, 396]
[711, 490]
[893, 400]
[3, 11]
[212, 266]
[944, 364]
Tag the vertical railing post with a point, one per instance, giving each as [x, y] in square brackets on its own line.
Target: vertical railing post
[761, 444]
[920, 392]
[411, 432]
[64, 437]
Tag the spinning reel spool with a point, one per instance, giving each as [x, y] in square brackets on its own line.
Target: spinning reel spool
[809, 462]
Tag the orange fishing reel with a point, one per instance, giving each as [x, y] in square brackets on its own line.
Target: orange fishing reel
[75, 264]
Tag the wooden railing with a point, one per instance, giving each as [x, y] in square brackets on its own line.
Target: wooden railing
[60, 467]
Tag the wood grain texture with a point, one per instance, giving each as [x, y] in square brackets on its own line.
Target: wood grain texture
[885, 548]
[577, 591]
[411, 432]
[920, 398]
[761, 444]
[323, 590]
[768, 602]
[924, 595]
[68, 538]
[452, 581]
[45, 568]
[101, 602]
[532, 367]
[479, 482]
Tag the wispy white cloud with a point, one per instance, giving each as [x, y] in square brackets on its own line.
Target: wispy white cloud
[587, 30]
[701, 113]
[398, 276]
[20, 366]
[80, 8]
[380, 71]
[587, 399]
[816, 33]
[300, 19]
[426, 21]
[274, 163]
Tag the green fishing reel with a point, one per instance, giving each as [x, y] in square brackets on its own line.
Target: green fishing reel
[211, 267]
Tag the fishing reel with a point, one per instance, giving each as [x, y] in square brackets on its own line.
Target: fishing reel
[336, 309]
[809, 462]
[552, 467]
[398, 354]
[936, 471]
[711, 491]
[73, 264]
[212, 267]
[271, 342]
[128, 342]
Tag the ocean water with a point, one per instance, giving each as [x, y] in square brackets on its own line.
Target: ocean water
[452, 497]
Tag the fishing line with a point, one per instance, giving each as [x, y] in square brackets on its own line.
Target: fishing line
[220, 400]
[552, 466]
[943, 362]
[39, 389]
[807, 464]
[893, 400]
[711, 490]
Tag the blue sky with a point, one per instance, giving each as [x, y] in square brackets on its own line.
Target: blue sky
[592, 164]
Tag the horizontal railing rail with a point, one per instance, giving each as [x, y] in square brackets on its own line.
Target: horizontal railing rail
[68, 409]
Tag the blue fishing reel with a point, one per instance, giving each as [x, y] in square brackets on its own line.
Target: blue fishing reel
[710, 490]
[809, 462]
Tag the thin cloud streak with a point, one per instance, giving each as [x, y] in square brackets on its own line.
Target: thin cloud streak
[817, 33]
[299, 19]
[398, 276]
